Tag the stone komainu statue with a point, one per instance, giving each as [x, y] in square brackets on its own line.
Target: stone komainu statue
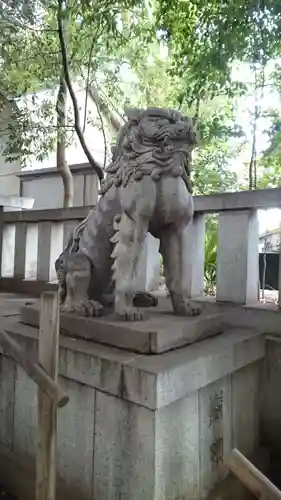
[147, 188]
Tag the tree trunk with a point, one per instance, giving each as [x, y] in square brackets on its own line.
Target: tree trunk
[99, 101]
[77, 125]
[62, 164]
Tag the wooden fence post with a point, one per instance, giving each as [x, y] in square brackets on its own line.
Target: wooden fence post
[47, 410]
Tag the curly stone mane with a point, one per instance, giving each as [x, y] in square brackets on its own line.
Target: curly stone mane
[156, 142]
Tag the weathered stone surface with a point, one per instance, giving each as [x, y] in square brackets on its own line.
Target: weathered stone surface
[137, 425]
[177, 459]
[75, 444]
[162, 332]
[156, 381]
[91, 364]
[215, 427]
[124, 450]
[7, 399]
[147, 188]
[25, 416]
[112, 447]
[237, 257]
[271, 396]
[246, 401]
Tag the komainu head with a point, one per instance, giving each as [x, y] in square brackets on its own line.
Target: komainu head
[154, 141]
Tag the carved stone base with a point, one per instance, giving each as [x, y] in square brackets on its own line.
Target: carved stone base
[137, 426]
[162, 332]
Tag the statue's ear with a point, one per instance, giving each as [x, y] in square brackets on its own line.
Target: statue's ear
[133, 114]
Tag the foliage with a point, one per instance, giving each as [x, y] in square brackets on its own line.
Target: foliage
[211, 243]
[218, 32]
[133, 52]
[270, 163]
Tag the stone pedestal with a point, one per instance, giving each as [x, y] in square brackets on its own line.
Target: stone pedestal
[138, 426]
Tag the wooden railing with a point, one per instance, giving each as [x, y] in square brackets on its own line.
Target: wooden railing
[32, 240]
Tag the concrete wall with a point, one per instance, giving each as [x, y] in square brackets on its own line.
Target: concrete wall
[137, 427]
[9, 183]
[272, 242]
[46, 187]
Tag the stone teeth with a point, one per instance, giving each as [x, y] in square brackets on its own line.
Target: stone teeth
[115, 252]
[115, 238]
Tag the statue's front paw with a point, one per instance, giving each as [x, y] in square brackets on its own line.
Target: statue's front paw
[131, 314]
[66, 308]
[187, 308]
[83, 308]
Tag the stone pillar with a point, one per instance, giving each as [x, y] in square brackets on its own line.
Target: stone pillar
[195, 255]
[237, 257]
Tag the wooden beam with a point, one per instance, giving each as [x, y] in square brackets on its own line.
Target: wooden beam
[251, 477]
[36, 372]
[47, 410]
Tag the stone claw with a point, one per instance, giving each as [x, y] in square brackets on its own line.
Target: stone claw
[83, 308]
[131, 314]
[187, 308]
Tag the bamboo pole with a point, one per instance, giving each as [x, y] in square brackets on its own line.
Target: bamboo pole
[47, 410]
[35, 371]
[251, 477]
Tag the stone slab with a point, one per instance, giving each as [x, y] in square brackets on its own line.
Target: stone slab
[161, 332]
[124, 467]
[91, 364]
[177, 458]
[155, 381]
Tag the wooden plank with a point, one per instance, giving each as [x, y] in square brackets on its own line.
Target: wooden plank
[49, 386]
[20, 250]
[251, 477]
[47, 411]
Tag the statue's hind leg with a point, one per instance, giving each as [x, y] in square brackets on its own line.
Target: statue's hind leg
[173, 249]
[77, 281]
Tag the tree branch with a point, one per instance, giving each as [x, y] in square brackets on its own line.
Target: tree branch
[62, 164]
[102, 125]
[77, 124]
[100, 102]
[87, 81]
